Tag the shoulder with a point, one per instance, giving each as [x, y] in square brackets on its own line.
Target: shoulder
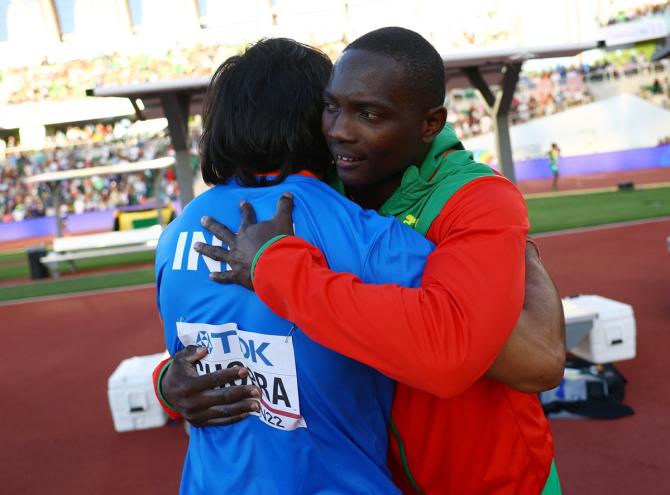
[489, 201]
[486, 194]
[209, 202]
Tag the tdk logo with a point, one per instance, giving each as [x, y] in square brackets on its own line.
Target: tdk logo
[193, 256]
[250, 349]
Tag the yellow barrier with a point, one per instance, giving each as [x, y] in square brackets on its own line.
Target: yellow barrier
[126, 220]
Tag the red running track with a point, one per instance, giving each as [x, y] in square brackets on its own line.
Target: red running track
[57, 430]
[630, 455]
[594, 181]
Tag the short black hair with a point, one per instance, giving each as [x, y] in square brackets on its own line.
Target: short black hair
[262, 113]
[424, 69]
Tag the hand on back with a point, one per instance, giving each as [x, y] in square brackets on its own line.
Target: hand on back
[243, 246]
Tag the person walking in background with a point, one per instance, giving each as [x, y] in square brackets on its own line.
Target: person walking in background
[554, 153]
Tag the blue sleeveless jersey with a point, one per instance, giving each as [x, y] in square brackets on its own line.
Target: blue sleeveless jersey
[322, 427]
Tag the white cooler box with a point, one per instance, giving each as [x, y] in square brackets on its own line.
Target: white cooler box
[131, 395]
[612, 337]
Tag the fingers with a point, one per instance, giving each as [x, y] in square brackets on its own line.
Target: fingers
[241, 407]
[215, 252]
[238, 393]
[222, 421]
[224, 413]
[225, 410]
[191, 354]
[219, 378]
[248, 214]
[284, 209]
[234, 276]
[223, 277]
[219, 230]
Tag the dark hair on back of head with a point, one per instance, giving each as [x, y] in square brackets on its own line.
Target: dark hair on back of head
[424, 69]
[262, 113]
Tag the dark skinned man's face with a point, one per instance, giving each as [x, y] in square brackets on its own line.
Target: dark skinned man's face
[371, 121]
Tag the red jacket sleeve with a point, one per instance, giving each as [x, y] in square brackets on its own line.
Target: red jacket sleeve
[440, 337]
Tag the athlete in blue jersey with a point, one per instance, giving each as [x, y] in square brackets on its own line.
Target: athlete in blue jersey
[321, 424]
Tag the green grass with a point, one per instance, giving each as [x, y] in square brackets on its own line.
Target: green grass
[12, 257]
[15, 264]
[569, 212]
[77, 284]
[546, 214]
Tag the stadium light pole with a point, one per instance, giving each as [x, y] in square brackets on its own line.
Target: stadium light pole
[497, 106]
[662, 52]
[176, 108]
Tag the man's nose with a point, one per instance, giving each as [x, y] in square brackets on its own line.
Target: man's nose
[339, 128]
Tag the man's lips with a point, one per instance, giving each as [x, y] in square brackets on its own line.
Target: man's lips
[347, 160]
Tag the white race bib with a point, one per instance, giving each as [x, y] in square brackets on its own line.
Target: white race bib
[269, 358]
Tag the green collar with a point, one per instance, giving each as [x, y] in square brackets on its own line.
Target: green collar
[418, 183]
[426, 188]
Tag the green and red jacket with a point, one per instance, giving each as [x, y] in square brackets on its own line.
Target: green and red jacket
[460, 433]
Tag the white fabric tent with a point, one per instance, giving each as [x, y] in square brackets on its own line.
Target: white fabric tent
[619, 123]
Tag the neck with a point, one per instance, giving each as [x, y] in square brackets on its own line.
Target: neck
[374, 196]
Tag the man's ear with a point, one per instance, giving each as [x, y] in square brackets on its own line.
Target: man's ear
[433, 123]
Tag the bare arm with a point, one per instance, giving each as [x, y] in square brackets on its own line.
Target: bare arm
[533, 358]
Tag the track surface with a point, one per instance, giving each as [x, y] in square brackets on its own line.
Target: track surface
[566, 184]
[590, 181]
[57, 431]
[632, 265]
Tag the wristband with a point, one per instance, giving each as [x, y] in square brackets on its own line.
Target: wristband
[260, 251]
[159, 388]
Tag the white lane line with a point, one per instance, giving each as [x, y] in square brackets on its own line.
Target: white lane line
[594, 228]
[70, 295]
[148, 286]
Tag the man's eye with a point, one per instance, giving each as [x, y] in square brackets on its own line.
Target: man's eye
[367, 115]
[329, 106]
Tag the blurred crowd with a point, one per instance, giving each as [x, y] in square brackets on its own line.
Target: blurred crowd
[62, 81]
[650, 80]
[635, 13]
[537, 95]
[657, 92]
[19, 201]
[69, 80]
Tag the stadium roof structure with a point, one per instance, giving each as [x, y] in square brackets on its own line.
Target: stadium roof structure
[47, 112]
[174, 100]
[120, 168]
[501, 68]
[178, 99]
